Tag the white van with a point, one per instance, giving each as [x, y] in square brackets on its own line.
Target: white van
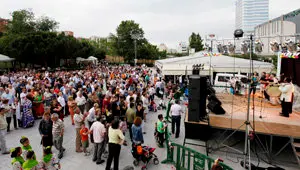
[222, 79]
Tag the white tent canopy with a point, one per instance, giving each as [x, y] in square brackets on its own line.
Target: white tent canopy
[93, 59]
[219, 63]
[79, 59]
[89, 59]
[4, 58]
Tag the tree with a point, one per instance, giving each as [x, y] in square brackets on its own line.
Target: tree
[123, 41]
[22, 22]
[37, 43]
[46, 24]
[196, 42]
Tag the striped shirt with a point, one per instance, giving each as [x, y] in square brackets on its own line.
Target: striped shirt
[57, 128]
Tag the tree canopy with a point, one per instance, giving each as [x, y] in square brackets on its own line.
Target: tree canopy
[196, 42]
[123, 42]
[36, 41]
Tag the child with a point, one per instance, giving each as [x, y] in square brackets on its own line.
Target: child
[17, 107]
[84, 131]
[8, 114]
[18, 160]
[31, 163]
[160, 126]
[49, 161]
[153, 106]
[123, 127]
[25, 146]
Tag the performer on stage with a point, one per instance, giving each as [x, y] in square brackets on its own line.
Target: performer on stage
[254, 82]
[286, 89]
[264, 81]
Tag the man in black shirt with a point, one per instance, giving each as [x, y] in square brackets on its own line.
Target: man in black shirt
[115, 108]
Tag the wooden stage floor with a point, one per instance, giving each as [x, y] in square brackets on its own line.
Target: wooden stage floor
[270, 123]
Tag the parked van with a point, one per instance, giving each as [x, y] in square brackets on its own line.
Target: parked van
[222, 79]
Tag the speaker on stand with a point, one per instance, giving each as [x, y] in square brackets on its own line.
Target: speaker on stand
[197, 98]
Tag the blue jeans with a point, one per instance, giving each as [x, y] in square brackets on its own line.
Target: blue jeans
[176, 121]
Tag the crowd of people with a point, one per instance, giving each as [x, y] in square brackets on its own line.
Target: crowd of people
[104, 103]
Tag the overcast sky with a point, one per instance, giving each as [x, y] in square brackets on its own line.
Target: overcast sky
[164, 21]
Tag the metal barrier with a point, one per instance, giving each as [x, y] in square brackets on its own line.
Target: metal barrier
[184, 158]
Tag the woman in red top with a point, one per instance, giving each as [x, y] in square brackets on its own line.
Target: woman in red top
[105, 104]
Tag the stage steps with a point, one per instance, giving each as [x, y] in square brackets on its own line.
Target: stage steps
[296, 148]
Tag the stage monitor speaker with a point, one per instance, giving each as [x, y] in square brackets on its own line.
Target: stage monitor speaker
[197, 98]
[214, 98]
[215, 107]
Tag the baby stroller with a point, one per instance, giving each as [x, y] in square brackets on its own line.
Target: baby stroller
[144, 154]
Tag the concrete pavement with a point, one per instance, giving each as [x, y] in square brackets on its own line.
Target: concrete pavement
[77, 161]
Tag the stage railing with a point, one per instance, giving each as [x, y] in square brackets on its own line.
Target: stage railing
[184, 158]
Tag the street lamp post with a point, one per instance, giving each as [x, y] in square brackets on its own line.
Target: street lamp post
[135, 36]
[135, 52]
[211, 36]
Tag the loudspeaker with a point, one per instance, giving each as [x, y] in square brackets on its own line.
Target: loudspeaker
[196, 72]
[215, 107]
[214, 98]
[197, 98]
[203, 96]
[194, 111]
[194, 98]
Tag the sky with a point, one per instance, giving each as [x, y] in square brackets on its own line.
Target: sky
[163, 21]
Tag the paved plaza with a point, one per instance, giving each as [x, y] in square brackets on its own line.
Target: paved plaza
[77, 161]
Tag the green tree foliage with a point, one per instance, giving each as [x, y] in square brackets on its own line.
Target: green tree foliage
[123, 42]
[33, 42]
[46, 24]
[196, 42]
[22, 22]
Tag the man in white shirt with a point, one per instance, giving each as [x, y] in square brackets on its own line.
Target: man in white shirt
[81, 101]
[176, 112]
[99, 132]
[8, 96]
[62, 101]
[286, 97]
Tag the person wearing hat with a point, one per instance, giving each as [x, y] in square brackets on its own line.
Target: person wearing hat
[176, 112]
[3, 129]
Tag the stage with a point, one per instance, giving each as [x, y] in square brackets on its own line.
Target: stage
[270, 123]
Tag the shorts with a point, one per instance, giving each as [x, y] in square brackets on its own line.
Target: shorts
[85, 144]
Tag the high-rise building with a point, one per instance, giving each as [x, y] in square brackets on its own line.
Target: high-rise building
[250, 13]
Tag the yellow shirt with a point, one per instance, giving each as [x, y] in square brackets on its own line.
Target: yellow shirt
[115, 135]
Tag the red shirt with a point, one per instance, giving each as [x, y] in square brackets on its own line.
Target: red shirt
[84, 137]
